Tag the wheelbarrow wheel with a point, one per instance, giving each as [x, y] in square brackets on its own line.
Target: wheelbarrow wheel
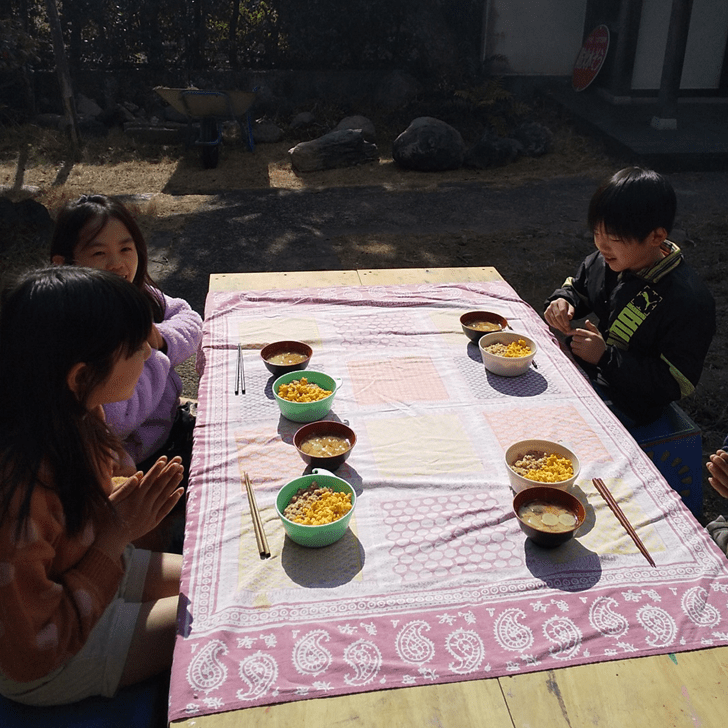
[208, 133]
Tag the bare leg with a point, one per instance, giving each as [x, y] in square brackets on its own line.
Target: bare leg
[150, 651]
[151, 646]
[163, 576]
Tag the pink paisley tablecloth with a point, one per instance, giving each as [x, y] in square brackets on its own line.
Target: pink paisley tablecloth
[434, 582]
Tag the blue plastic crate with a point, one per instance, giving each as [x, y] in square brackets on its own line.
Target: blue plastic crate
[138, 706]
[674, 445]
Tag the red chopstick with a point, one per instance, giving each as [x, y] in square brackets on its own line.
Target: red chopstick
[609, 498]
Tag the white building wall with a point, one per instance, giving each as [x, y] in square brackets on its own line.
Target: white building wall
[703, 54]
[537, 37]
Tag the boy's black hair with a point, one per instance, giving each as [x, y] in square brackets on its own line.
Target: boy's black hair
[632, 203]
[51, 320]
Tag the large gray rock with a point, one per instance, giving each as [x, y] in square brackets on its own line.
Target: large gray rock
[343, 148]
[492, 151]
[429, 145]
[359, 122]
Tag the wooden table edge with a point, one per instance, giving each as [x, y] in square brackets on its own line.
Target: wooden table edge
[283, 280]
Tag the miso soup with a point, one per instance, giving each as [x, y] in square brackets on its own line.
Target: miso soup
[550, 517]
[325, 446]
[484, 326]
[287, 357]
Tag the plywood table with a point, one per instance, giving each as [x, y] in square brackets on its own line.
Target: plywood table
[685, 689]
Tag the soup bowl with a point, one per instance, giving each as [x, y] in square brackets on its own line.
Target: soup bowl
[324, 534]
[494, 322]
[557, 504]
[278, 348]
[320, 458]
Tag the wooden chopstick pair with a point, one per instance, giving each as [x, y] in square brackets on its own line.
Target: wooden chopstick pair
[609, 498]
[260, 538]
[240, 373]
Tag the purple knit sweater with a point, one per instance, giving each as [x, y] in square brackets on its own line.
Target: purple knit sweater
[144, 421]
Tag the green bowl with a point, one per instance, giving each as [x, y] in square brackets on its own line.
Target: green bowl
[315, 536]
[306, 411]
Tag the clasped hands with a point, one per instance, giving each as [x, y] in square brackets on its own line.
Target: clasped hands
[587, 343]
[141, 503]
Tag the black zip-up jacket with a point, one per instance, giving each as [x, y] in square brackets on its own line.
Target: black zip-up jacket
[657, 323]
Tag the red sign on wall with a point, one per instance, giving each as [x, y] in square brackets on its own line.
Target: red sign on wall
[590, 58]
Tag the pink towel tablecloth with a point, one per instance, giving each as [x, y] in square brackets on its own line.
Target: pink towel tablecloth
[434, 582]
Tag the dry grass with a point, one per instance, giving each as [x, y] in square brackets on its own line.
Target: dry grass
[37, 160]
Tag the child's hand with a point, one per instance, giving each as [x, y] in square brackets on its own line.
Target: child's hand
[588, 344]
[718, 469]
[559, 314]
[156, 340]
[142, 502]
[124, 466]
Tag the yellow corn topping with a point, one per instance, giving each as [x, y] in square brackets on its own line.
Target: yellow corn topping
[518, 348]
[328, 507]
[301, 390]
[552, 469]
[512, 350]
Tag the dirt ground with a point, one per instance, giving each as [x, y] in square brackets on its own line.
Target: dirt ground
[253, 213]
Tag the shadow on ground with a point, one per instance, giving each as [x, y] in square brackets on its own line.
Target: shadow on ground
[344, 228]
[534, 234]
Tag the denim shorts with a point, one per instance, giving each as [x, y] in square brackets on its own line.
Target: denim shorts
[97, 668]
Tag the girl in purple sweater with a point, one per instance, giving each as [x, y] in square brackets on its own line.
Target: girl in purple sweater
[99, 232]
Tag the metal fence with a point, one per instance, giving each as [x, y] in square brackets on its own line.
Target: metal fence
[416, 35]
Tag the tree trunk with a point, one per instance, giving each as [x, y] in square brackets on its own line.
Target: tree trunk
[233, 39]
[64, 77]
[149, 16]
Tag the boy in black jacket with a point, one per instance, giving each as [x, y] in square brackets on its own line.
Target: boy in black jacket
[656, 318]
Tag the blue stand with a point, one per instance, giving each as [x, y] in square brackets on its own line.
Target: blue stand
[674, 445]
[138, 706]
